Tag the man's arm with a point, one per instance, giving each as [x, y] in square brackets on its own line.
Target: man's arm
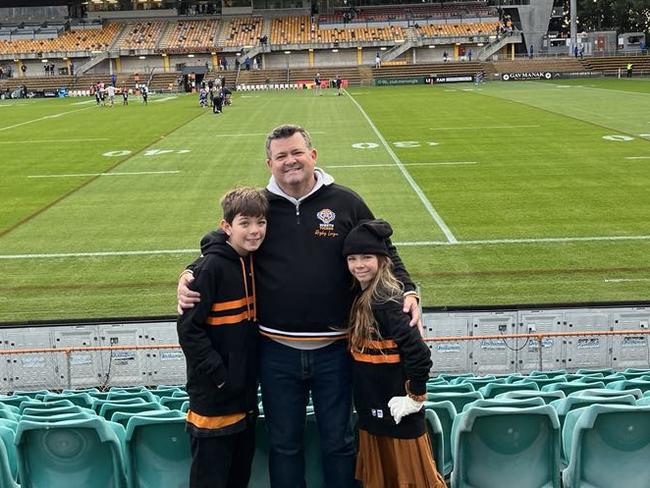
[186, 297]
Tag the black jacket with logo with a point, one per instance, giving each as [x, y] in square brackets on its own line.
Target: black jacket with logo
[380, 372]
[219, 335]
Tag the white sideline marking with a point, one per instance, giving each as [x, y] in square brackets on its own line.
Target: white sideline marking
[163, 99]
[50, 141]
[427, 204]
[637, 157]
[196, 251]
[84, 103]
[625, 280]
[43, 118]
[492, 127]
[441, 163]
[107, 174]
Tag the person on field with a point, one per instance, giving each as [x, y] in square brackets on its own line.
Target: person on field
[219, 339]
[391, 365]
[303, 302]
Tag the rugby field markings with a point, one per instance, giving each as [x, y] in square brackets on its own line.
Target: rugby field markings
[135, 173]
[427, 204]
[46, 117]
[196, 251]
[637, 157]
[162, 99]
[441, 163]
[625, 280]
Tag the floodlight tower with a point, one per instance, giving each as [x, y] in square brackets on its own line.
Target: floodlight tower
[574, 24]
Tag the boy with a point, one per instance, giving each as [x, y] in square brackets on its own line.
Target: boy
[219, 339]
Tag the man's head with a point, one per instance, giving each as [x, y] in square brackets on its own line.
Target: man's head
[244, 218]
[291, 159]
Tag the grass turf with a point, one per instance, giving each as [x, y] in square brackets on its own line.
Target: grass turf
[538, 206]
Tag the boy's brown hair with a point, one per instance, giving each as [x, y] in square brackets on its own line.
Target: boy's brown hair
[245, 200]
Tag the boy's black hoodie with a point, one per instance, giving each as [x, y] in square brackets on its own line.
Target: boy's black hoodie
[219, 335]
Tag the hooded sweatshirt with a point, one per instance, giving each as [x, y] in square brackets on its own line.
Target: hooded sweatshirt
[219, 335]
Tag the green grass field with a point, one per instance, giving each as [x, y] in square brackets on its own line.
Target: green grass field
[510, 193]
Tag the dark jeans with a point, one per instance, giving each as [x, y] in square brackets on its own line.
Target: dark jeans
[223, 461]
[287, 376]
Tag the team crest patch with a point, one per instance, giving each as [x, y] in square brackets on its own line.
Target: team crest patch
[326, 227]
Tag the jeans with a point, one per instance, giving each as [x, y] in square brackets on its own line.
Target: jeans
[287, 376]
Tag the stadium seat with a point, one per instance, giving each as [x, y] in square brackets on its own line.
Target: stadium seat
[450, 377]
[459, 400]
[7, 477]
[37, 404]
[9, 414]
[637, 383]
[611, 378]
[123, 418]
[146, 395]
[493, 389]
[570, 387]
[108, 409]
[58, 417]
[446, 412]
[158, 452]
[78, 453]
[542, 380]
[589, 379]
[174, 403]
[588, 371]
[606, 392]
[159, 393]
[479, 382]
[437, 381]
[550, 373]
[547, 396]
[505, 403]
[31, 394]
[46, 412]
[13, 400]
[570, 403]
[97, 404]
[526, 441]
[609, 447]
[575, 376]
[436, 438]
[81, 399]
[465, 387]
[7, 438]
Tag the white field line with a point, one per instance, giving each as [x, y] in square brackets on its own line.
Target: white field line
[195, 251]
[54, 141]
[163, 99]
[441, 163]
[54, 116]
[73, 175]
[637, 157]
[491, 127]
[246, 134]
[625, 280]
[427, 204]
[85, 103]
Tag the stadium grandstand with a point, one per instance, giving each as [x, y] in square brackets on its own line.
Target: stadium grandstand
[519, 208]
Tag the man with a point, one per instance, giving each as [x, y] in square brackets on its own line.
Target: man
[303, 300]
[317, 82]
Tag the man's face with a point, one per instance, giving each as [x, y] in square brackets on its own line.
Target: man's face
[292, 164]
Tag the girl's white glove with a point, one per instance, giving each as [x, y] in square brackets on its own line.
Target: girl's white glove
[402, 406]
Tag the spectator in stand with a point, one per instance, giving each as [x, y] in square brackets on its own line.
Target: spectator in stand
[575, 51]
[582, 52]
[445, 56]
[469, 55]
[629, 69]
[377, 60]
[531, 51]
[23, 68]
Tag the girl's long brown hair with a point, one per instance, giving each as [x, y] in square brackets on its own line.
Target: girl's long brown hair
[384, 287]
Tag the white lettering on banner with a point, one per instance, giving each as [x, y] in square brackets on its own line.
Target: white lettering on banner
[618, 138]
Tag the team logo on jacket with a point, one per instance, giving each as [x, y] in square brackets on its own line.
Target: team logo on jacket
[326, 227]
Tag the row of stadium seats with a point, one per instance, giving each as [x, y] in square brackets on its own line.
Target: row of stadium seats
[239, 32]
[522, 438]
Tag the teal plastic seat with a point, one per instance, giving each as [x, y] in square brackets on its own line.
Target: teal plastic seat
[446, 413]
[550, 373]
[33, 404]
[185, 407]
[7, 437]
[607, 392]
[570, 403]
[46, 412]
[108, 409]
[80, 390]
[459, 388]
[436, 438]
[146, 395]
[80, 399]
[9, 414]
[59, 417]
[575, 376]
[174, 403]
[641, 384]
[482, 381]
[437, 381]
[7, 477]
[603, 371]
[493, 389]
[503, 446]
[126, 389]
[123, 418]
[571, 387]
[158, 452]
[589, 379]
[609, 447]
[452, 376]
[459, 400]
[10, 408]
[161, 392]
[73, 453]
[31, 394]
[542, 380]
[505, 403]
[11, 424]
[97, 403]
[13, 400]
[547, 396]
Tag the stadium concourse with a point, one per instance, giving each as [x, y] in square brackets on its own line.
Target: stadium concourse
[588, 428]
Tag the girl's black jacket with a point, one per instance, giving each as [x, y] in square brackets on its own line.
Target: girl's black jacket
[219, 335]
[380, 372]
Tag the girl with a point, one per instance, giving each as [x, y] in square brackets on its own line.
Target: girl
[390, 369]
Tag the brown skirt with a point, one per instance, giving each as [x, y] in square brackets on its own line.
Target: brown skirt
[387, 462]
